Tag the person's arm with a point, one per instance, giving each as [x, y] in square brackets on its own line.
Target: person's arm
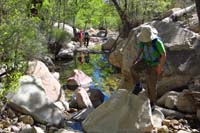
[162, 51]
[162, 62]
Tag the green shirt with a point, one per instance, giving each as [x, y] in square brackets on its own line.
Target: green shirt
[151, 54]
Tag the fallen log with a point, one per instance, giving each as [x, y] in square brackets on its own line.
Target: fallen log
[86, 51]
[174, 16]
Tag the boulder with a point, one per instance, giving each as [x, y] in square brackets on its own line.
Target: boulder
[82, 98]
[26, 119]
[169, 100]
[66, 27]
[129, 54]
[26, 129]
[71, 45]
[93, 31]
[188, 101]
[82, 114]
[183, 56]
[193, 23]
[67, 50]
[79, 78]
[48, 62]
[67, 131]
[50, 84]
[38, 130]
[96, 97]
[108, 45]
[65, 54]
[194, 84]
[116, 56]
[31, 99]
[56, 75]
[123, 112]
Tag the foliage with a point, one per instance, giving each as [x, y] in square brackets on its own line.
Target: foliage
[143, 10]
[23, 34]
[100, 15]
[132, 13]
[11, 83]
[59, 35]
[21, 39]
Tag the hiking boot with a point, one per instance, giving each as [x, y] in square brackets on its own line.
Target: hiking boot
[152, 106]
[137, 89]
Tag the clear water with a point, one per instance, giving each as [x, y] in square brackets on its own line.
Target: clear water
[96, 66]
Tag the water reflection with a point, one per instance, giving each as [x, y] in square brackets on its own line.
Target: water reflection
[84, 57]
[95, 66]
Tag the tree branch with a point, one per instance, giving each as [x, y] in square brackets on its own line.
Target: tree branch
[125, 5]
[119, 9]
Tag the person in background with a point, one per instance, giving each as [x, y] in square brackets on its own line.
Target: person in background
[86, 39]
[80, 37]
[153, 58]
[81, 58]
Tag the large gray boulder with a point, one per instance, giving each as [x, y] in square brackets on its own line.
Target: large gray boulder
[123, 112]
[65, 54]
[65, 27]
[109, 44]
[169, 100]
[116, 56]
[183, 57]
[186, 101]
[31, 99]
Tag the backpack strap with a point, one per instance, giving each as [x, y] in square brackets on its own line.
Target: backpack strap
[154, 45]
[155, 48]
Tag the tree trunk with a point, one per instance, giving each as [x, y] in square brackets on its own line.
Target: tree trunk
[198, 9]
[126, 23]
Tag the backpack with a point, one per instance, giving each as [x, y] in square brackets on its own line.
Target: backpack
[86, 35]
[154, 44]
[80, 34]
[155, 49]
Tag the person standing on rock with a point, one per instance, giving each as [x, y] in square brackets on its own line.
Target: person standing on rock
[86, 39]
[152, 60]
[80, 37]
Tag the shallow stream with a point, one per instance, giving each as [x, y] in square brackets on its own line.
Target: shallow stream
[103, 74]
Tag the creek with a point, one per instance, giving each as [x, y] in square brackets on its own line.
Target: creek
[104, 75]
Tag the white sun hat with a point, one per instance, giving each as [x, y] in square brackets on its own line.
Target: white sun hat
[147, 33]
